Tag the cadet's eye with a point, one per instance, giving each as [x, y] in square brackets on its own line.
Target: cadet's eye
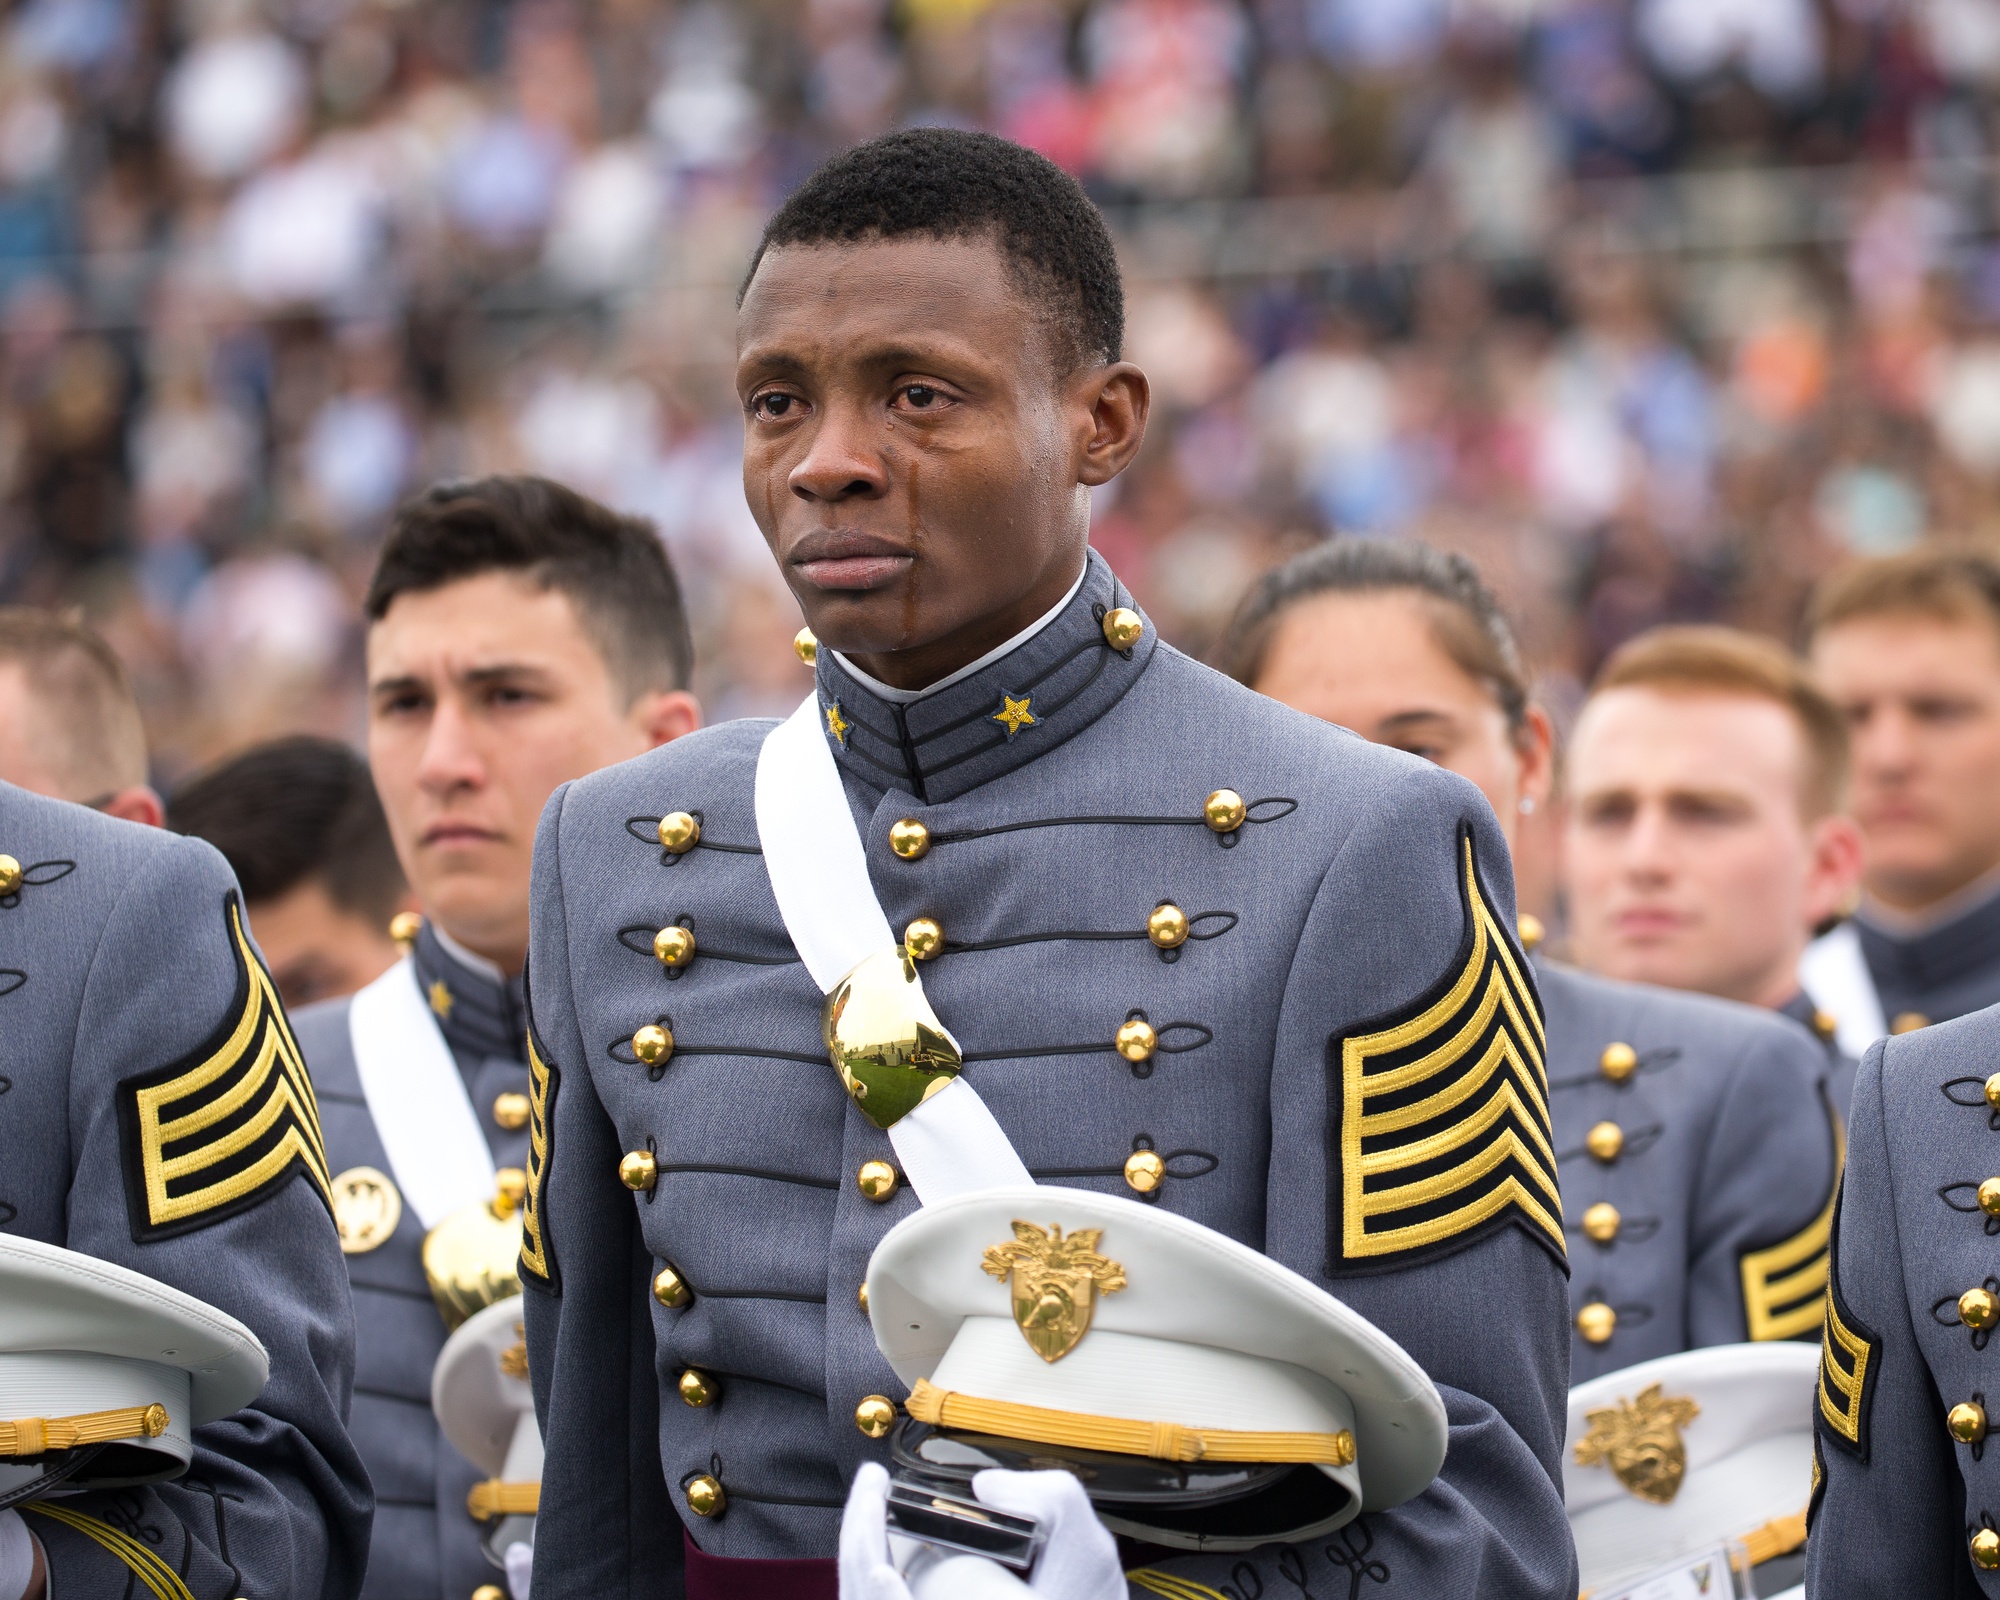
[774, 405]
[921, 396]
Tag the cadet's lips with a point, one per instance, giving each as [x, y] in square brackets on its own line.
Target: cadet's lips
[836, 558]
[449, 834]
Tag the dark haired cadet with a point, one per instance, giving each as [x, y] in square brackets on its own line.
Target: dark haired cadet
[1156, 911]
[1697, 1152]
[519, 636]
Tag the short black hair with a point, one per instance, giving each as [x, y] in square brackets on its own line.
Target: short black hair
[1468, 620]
[292, 810]
[945, 183]
[612, 566]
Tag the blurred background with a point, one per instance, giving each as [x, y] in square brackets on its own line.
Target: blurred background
[1658, 308]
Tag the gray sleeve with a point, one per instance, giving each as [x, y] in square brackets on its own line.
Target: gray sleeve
[1888, 1517]
[1482, 1305]
[1763, 1197]
[606, 1525]
[276, 1502]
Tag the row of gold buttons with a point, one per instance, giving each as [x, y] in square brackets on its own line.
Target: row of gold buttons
[1605, 1142]
[1224, 811]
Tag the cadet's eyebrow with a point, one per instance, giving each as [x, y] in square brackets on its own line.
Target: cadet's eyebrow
[1400, 718]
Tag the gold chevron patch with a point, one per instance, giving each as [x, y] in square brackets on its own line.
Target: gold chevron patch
[1443, 1129]
[227, 1125]
[1784, 1285]
[537, 1264]
[1848, 1356]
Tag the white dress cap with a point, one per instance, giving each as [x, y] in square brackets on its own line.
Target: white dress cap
[1671, 1458]
[1093, 1322]
[95, 1355]
[479, 1390]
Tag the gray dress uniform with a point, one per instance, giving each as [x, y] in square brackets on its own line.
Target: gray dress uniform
[1908, 1493]
[426, 1545]
[1936, 975]
[1698, 1160]
[155, 1113]
[1840, 1066]
[1294, 1013]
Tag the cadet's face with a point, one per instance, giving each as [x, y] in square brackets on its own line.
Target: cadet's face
[1371, 662]
[1922, 698]
[1685, 855]
[483, 696]
[918, 467]
[316, 948]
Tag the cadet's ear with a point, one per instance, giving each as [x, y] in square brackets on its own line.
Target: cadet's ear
[1119, 398]
[663, 715]
[140, 804]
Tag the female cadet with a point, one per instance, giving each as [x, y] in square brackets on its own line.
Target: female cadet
[1697, 1197]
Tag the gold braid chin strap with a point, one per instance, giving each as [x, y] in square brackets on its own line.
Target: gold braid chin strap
[34, 1436]
[495, 1498]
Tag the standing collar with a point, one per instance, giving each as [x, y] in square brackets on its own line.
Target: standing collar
[1035, 692]
[479, 1011]
[903, 697]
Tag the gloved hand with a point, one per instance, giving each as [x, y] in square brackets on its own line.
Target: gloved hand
[520, 1558]
[1079, 1560]
[23, 1568]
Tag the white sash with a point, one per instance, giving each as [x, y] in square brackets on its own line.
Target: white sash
[1834, 973]
[437, 1151]
[950, 1144]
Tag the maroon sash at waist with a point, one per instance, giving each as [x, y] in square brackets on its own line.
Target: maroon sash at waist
[737, 1578]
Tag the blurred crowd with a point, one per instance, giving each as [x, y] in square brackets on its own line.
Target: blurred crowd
[1658, 308]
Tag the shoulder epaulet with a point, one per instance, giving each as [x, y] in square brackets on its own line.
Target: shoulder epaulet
[538, 1264]
[229, 1123]
[1440, 1128]
[1784, 1284]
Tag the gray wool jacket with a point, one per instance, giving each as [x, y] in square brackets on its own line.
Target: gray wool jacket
[125, 965]
[1366, 892]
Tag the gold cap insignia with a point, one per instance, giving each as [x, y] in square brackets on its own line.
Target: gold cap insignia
[1053, 1283]
[1640, 1441]
[366, 1209]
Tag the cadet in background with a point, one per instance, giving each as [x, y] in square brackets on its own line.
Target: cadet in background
[1908, 648]
[69, 722]
[155, 1112]
[1706, 837]
[519, 635]
[1697, 1162]
[299, 823]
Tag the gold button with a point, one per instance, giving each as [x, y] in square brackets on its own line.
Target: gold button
[1967, 1421]
[1605, 1141]
[861, 1295]
[805, 645]
[1529, 927]
[489, 1591]
[1618, 1062]
[1986, 1550]
[1596, 1322]
[1123, 628]
[679, 832]
[510, 1188]
[909, 838]
[696, 1388]
[638, 1170]
[652, 1044]
[510, 1110]
[1137, 1041]
[876, 1179]
[1825, 1024]
[10, 874]
[1167, 927]
[673, 947]
[670, 1288]
[1909, 1022]
[1989, 1197]
[1601, 1221]
[1224, 811]
[705, 1496]
[1993, 1091]
[404, 927]
[875, 1416]
[923, 938]
[1145, 1171]
[1978, 1309]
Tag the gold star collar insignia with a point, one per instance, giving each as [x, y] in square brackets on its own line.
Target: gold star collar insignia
[836, 724]
[441, 1000]
[1014, 714]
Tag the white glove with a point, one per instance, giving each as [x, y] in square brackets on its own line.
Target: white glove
[20, 1558]
[520, 1559]
[1079, 1560]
